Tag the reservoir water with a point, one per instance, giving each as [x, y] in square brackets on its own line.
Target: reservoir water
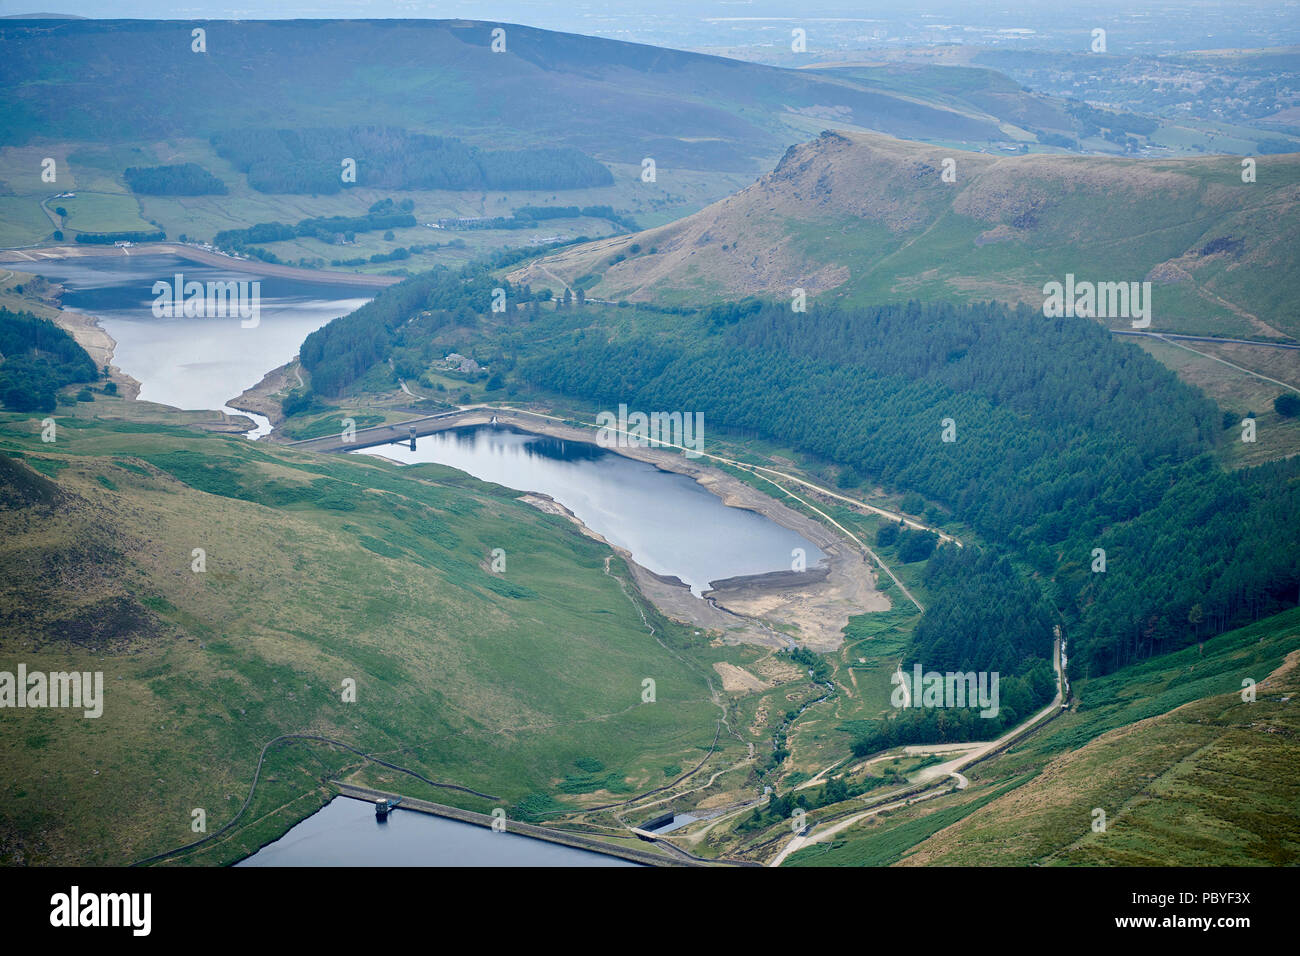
[669, 522]
[194, 363]
[346, 833]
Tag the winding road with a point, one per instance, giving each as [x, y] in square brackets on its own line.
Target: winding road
[972, 753]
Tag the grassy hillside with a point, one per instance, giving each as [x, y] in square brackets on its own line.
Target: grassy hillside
[618, 101]
[317, 570]
[710, 124]
[977, 92]
[1112, 452]
[865, 218]
[1187, 773]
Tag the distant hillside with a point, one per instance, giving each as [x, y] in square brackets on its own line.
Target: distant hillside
[616, 101]
[868, 218]
[984, 93]
[273, 109]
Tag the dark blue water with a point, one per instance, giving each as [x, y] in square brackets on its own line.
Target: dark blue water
[346, 833]
[669, 522]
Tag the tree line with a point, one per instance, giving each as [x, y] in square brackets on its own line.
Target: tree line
[310, 161]
[1065, 442]
[105, 238]
[322, 227]
[37, 358]
[181, 179]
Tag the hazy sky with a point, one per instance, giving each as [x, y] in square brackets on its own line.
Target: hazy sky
[1150, 25]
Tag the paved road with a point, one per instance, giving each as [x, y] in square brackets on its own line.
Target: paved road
[973, 752]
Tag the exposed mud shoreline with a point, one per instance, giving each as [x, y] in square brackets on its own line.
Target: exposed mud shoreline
[259, 398]
[100, 346]
[812, 607]
[772, 579]
[773, 610]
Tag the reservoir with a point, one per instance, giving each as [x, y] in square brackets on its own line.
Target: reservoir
[346, 833]
[193, 362]
[669, 522]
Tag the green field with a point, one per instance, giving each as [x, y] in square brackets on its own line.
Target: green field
[317, 570]
[104, 203]
[1187, 772]
[102, 212]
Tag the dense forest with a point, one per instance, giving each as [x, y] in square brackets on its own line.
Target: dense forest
[182, 179]
[107, 238]
[1066, 445]
[1017, 627]
[37, 358]
[311, 161]
[983, 616]
[384, 214]
[1066, 441]
[398, 323]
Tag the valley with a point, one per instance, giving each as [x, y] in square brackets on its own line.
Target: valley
[921, 570]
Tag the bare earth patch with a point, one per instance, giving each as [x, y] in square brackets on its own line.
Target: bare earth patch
[737, 679]
[815, 612]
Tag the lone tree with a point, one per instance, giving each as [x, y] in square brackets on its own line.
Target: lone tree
[1287, 404]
